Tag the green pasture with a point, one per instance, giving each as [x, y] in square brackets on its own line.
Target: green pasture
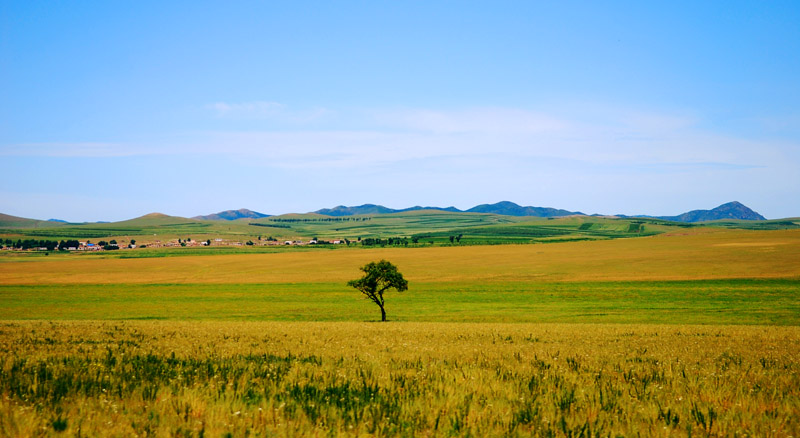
[741, 302]
[426, 227]
[422, 227]
[384, 225]
[549, 230]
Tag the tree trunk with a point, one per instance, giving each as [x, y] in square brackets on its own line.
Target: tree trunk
[383, 315]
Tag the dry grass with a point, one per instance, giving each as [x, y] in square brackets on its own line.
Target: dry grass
[410, 379]
[696, 254]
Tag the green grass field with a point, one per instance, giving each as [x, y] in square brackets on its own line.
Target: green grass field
[749, 302]
[697, 277]
[689, 331]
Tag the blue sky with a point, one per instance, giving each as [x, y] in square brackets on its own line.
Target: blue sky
[111, 110]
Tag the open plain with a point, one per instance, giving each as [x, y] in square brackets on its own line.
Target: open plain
[692, 331]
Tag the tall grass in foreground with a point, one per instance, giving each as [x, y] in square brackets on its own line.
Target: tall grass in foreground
[217, 379]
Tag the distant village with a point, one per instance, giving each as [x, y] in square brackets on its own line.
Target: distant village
[113, 245]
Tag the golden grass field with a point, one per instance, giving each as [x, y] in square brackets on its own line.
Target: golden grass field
[195, 376]
[234, 379]
[692, 255]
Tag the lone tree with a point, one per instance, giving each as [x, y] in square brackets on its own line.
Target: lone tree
[378, 278]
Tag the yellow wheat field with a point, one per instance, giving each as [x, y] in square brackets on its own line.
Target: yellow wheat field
[409, 379]
[696, 254]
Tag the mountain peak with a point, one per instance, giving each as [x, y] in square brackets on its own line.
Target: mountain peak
[730, 205]
[737, 210]
[509, 208]
[230, 215]
[731, 210]
[341, 210]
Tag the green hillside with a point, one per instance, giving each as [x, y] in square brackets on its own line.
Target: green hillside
[154, 226]
[411, 228]
[382, 225]
[8, 221]
[435, 226]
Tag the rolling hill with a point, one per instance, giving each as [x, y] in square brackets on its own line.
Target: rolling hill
[8, 221]
[505, 208]
[231, 215]
[342, 210]
[731, 210]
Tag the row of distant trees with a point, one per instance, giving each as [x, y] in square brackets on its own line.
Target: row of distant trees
[51, 245]
[370, 241]
[404, 241]
[326, 219]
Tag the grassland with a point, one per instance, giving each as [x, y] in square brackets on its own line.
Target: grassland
[701, 276]
[736, 302]
[145, 229]
[695, 254]
[423, 227]
[689, 331]
[365, 379]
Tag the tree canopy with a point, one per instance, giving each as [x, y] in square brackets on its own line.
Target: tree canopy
[378, 278]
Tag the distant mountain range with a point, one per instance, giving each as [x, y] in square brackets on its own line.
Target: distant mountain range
[505, 208]
[511, 209]
[232, 215]
[375, 209]
[731, 210]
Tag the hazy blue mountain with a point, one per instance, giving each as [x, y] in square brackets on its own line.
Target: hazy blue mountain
[342, 210]
[731, 210]
[511, 209]
[505, 207]
[230, 215]
[415, 208]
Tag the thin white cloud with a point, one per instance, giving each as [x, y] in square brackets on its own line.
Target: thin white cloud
[484, 120]
[264, 110]
[584, 158]
[595, 136]
[256, 109]
[74, 149]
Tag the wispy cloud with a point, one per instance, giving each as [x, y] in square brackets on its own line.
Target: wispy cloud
[265, 110]
[74, 149]
[595, 136]
[600, 160]
[246, 109]
[482, 120]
